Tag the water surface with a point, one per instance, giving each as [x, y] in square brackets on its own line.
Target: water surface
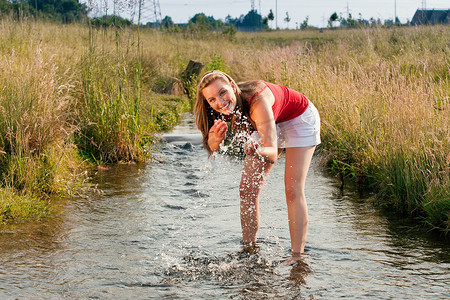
[170, 229]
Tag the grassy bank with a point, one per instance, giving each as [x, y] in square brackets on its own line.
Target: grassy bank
[71, 98]
[383, 95]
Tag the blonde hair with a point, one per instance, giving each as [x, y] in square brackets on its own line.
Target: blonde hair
[205, 115]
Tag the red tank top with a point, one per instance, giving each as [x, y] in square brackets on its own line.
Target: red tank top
[288, 102]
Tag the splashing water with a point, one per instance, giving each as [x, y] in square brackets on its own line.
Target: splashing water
[171, 230]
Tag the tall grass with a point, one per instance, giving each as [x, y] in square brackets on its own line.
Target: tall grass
[66, 91]
[383, 96]
[37, 158]
[109, 107]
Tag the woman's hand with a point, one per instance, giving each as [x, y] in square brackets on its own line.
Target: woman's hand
[219, 130]
[251, 146]
[217, 133]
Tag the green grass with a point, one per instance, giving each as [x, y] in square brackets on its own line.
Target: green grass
[69, 91]
[383, 96]
[68, 103]
[14, 207]
[109, 110]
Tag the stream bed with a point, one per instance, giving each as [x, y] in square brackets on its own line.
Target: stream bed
[170, 229]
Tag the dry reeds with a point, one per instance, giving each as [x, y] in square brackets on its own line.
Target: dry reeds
[61, 97]
[35, 132]
[383, 96]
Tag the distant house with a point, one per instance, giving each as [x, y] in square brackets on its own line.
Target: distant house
[431, 17]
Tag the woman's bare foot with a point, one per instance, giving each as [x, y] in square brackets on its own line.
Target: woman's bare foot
[251, 248]
[295, 258]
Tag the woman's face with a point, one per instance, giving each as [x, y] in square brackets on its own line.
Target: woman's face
[221, 96]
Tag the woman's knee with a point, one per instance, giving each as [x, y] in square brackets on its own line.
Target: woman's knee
[294, 194]
[250, 189]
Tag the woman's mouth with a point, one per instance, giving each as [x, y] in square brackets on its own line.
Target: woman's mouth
[226, 108]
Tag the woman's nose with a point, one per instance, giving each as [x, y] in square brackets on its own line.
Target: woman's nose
[221, 101]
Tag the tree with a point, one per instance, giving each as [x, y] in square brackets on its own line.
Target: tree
[111, 20]
[252, 21]
[5, 6]
[342, 21]
[388, 22]
[304, 24]
[333, 18]
[65, 10]
[167, 22]
[271, 16]
[229, 19]
[203, 22]
[18, 9]
[266, 22]
[351, 23]
[287, 19]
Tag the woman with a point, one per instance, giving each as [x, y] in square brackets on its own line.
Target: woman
[281, 118]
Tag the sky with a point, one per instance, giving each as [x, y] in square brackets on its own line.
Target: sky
[318, 11]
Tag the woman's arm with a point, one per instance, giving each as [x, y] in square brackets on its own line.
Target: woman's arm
[217, 134]
[262, 115]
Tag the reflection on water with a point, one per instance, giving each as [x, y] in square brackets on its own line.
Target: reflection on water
[170, 229]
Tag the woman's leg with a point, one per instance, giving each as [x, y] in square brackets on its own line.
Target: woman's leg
[254, 174]
[296, 169]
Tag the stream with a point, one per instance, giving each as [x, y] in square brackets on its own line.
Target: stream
[170, 229]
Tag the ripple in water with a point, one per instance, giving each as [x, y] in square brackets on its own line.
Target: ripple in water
[171, 230]
[239, 275]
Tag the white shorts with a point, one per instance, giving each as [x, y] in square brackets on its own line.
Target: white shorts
[302, 131]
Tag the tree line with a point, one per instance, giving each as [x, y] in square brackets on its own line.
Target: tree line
[350, 22]
[252, 21]
[68, 11]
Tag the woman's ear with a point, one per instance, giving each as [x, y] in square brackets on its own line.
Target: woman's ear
[233, 85]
